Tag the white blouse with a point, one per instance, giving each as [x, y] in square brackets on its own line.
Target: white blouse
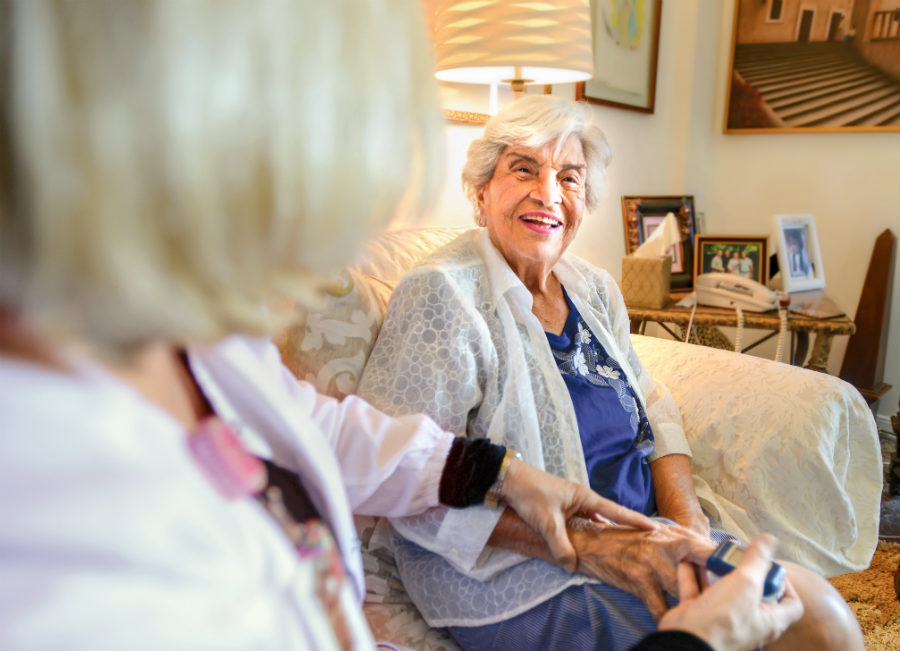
[112, 538]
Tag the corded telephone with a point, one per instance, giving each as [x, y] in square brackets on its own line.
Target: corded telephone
[727, 290]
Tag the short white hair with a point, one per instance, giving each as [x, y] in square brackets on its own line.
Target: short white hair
[166, 164]
[534, 121]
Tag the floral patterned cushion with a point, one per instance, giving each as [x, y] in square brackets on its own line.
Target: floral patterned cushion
[328, 345]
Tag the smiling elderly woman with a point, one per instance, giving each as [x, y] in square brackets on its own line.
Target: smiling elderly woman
[499, 334]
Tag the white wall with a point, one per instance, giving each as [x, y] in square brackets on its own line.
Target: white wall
[850, 182]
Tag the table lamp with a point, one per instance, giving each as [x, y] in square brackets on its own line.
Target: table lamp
[515, 42]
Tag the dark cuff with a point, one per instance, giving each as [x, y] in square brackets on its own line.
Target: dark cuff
[471, 468]
[671, 641]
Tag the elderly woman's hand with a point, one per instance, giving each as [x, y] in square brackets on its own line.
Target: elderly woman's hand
[643, 563]
[546, 502]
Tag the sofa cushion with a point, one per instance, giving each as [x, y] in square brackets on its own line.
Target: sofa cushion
[784, 449]
[329, 344]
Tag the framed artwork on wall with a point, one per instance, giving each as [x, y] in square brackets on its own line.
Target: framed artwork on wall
[824, 66]
[626, 46]
[642, 215]
[799, 256]
[741, 255]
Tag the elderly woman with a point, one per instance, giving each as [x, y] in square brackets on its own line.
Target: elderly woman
[499, 334]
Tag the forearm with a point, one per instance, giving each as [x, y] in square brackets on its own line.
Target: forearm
[676, 498]
[513, 534]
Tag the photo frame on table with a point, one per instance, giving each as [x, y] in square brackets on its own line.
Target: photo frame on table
[793, 67]
[642, 215]
[742, 255]
[799, 256]
[626, 48]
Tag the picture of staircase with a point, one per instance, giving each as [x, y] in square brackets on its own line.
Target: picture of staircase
[814, 66]
[817, 84]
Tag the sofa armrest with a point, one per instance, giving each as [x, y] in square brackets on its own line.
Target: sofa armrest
[781, 449]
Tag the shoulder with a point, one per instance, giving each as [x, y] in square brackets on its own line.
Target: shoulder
[455, 266]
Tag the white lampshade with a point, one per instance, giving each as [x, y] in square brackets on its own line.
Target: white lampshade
[494, 41]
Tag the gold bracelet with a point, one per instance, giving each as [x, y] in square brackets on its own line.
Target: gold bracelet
[493, 498]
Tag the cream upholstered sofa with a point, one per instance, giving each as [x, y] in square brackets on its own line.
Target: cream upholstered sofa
[779, 448]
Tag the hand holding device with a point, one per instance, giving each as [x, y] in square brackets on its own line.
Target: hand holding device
[728, 555]
[730, 614]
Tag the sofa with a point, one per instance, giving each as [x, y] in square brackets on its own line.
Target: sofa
[775, 447]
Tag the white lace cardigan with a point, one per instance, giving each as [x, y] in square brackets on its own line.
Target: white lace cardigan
[460, 343]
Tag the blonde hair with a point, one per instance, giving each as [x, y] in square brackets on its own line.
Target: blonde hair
[166, 164]
[534, 121]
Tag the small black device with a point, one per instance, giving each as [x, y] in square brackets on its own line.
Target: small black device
[726, 557]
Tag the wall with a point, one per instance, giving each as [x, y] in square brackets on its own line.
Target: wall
[848, 181]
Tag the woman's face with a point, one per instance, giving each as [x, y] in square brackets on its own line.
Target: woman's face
[534, 203]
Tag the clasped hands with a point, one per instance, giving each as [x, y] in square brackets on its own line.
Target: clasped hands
[636, 554]
[597, 537]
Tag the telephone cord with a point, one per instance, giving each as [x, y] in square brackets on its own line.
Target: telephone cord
[782, 332]
[739, 335]
[687, 334]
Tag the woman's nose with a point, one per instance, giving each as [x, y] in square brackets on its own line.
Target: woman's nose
[545, 188]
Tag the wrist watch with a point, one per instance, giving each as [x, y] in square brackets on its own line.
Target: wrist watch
[493, 498]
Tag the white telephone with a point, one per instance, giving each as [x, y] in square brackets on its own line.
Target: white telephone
[728, 290]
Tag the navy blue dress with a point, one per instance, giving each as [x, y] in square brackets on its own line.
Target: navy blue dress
[615, 433]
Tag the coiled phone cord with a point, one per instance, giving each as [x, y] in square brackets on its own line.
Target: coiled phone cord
[739, 335]
[784, 300]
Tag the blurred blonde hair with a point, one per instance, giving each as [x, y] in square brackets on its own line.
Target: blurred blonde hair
[534, 121]
[166, 164]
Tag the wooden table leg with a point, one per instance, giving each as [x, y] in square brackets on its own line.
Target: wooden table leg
[818, 360]
[802, 348]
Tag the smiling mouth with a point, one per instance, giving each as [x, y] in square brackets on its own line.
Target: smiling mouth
[545, 221]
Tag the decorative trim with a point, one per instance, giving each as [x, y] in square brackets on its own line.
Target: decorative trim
[466, 117]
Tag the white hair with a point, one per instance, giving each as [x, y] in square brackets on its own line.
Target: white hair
[534, 121]
[166, 164]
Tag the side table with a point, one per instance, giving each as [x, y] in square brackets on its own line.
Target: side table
[809, 312]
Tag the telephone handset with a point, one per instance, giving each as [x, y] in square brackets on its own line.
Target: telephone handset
[728, 290]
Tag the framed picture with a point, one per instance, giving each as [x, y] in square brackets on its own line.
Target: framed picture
[799, 257]
[813, 66]
[741, 255]
[626, 45]
[643, 215]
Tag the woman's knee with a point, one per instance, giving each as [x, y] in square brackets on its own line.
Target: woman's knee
[827, 622]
